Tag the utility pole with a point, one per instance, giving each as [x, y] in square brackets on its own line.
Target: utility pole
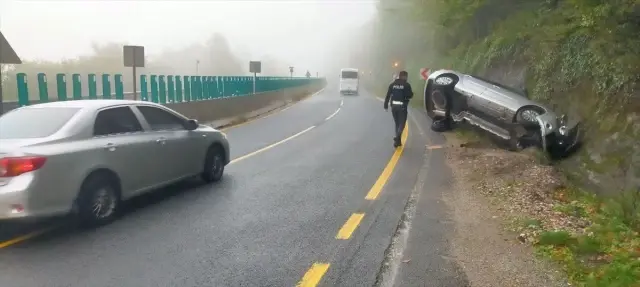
[197, 66]
[291, 71]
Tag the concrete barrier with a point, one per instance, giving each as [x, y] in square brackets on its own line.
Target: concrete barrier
[223, 112]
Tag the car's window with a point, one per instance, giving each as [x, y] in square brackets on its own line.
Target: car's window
[34, 122]
[116, 121]
[160, 120]
[349, 75]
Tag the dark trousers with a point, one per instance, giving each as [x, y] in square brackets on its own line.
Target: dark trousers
[399, 114]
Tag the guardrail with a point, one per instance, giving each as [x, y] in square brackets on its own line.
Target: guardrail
[155, 88]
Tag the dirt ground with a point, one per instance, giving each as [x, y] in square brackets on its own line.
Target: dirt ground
[495, 195]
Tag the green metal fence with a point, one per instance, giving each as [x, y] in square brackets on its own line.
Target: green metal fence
[155, 88]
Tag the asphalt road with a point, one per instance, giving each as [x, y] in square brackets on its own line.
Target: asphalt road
[298, 177]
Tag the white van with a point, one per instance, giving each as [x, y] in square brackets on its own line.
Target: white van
[349, 82]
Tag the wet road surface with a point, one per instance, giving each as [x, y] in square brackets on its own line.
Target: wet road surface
[306, 199]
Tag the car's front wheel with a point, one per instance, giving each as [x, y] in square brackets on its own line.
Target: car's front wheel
[99, 200]
[214, 165]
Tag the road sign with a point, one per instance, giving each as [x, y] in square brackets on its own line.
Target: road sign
[424, 73]
[7, 56]
[133, 56]
[255, 67]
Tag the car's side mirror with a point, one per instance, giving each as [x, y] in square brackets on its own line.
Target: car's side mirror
[191, 124]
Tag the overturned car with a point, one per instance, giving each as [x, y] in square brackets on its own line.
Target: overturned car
[451, 97]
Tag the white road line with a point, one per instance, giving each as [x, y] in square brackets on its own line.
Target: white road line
[331, 116]
[284, 140]
[271, 145]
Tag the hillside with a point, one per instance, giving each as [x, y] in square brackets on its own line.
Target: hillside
[581, 57]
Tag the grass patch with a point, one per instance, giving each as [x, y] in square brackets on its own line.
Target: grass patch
[608, 252]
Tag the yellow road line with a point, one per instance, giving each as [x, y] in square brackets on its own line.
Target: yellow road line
[350, 226]
[24, 237]
[376, 189]
[314, 275]
[271, 145]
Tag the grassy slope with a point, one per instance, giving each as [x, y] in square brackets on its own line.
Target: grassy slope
[582, 57]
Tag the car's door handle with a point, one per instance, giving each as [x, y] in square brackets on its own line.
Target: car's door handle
[110, 147]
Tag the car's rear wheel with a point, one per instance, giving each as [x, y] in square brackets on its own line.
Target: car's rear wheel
[214, 165]
[99, 200]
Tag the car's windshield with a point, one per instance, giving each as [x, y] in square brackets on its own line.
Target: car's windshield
[349, 75]
[511, 89]
[34, 122]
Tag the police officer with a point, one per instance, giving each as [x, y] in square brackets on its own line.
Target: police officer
[398, 95]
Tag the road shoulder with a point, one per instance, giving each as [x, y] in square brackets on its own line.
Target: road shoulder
[455, 235]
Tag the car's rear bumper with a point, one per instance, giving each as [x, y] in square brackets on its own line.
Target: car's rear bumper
[13, 198]
[19, 199]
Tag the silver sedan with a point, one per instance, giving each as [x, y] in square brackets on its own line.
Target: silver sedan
[87, 156]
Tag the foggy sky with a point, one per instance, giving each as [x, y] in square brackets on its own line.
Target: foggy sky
[302, 33]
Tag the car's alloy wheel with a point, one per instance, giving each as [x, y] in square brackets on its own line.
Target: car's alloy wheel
[103, 203]
[99, 201]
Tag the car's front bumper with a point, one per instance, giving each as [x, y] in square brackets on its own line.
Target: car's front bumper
[564, 142]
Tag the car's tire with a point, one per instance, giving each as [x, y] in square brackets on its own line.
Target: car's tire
[99, 200]
[514, 143]
[441, 124]
[213, 164]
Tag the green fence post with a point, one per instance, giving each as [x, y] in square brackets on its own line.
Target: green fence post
[106, 86]
[225, 86]
[171, 89]
[187, 88]
[205, 88]
[194, 88]
[117, 81]
[43, 88]
[218, 87]
[76, 85]
[93, 86]
[144, 90]
[154, 88]
[23, 89]
[61, 84]
[248, 85]
[178, 89]
[162, 89]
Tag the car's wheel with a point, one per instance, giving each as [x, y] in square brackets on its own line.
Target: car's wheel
[213, 165]
[99, 200]
[446, 80]
[514, 143]
[441, 124]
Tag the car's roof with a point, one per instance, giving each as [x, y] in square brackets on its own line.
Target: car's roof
[88, 104]
[349, 69]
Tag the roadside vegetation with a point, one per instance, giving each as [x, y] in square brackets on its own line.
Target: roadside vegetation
[581, 57]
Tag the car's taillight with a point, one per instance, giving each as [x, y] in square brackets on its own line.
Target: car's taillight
[14, 166]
